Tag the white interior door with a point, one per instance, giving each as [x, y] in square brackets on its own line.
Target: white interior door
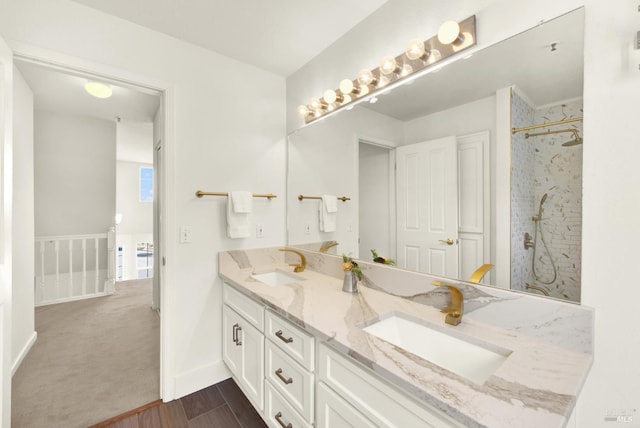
[6, 182]
[427, 204]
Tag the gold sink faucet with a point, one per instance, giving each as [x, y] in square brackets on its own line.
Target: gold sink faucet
[326, 246]
[456, 309]
[303, 260]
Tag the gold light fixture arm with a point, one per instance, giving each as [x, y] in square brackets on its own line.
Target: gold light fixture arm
[558, 131]
[544, 125]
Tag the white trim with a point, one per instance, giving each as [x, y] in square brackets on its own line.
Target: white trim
[27, 52]
[23, 353]
[200, 378]
[503, 189]
[73, 298]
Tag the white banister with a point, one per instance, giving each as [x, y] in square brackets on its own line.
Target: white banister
[56, 277]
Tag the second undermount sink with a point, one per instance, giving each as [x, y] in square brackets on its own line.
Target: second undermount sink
[276, 277]
[460, 356]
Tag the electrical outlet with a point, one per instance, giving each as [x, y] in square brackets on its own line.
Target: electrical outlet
[307, 229]
[259, 230]
[186, 233]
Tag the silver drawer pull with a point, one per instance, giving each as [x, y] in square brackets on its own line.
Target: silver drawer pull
[235, 333]
[282, 378]
[238, 342]
[284, 339]
[278, 416]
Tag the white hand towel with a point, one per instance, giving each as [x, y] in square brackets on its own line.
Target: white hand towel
[327, 213]
[238, 210]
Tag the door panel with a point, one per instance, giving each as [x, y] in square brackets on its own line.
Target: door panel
[427, 192]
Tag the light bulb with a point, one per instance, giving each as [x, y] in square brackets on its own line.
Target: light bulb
[347, 87]
[316, 104]
[389, 65]
[346, 99]
[406, 70]
[303, 110]
[416, 50]
[98, 90]
[449, 32]
[383, 81]
[330, 96]
[366, 78]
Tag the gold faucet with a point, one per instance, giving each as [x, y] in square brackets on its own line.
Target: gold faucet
[303, 260]
[456, 309]
[326, 246]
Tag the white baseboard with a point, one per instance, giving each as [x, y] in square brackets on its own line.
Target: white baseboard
[71, 299]
[23, 353]
[200, 378]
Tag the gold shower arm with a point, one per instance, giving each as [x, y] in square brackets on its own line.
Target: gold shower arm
[543, 125]
[559, 131]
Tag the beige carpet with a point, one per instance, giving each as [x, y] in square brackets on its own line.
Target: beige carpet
[93, 359]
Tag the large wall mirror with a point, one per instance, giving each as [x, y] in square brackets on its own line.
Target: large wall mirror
[420, 169]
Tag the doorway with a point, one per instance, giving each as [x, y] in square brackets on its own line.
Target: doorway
[157, 125]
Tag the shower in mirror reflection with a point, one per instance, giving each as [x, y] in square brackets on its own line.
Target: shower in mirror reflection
[546, 197]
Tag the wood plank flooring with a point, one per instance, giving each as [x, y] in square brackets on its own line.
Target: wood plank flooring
[219, 406]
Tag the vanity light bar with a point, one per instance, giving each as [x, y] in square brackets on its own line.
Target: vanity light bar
[394, 69]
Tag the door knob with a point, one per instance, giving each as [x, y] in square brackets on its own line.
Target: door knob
[448, 241]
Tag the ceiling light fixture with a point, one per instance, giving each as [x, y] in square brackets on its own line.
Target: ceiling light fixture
[98, 90]
[417, 59]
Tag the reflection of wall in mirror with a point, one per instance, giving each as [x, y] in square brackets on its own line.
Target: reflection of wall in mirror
[323, 160]
[542, 165]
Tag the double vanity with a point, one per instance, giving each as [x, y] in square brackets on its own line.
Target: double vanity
[308, 354]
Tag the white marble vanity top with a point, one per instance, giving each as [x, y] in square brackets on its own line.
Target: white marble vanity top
[548, 343]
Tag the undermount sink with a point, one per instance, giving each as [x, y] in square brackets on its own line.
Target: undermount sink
[276, 277]
[460, 356]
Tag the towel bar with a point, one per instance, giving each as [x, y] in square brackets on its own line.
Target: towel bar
[200, 194]
[342, 198]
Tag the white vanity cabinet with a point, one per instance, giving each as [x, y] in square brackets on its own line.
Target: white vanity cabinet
[289, 374]
[350, 395]
[243, 343]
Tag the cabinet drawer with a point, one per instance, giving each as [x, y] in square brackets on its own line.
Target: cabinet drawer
[296, 342]
[278, 411]
[290, 379]
[335, 412]
[250, 310]
[384, 405]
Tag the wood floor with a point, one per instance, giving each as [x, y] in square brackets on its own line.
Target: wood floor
[219, 406]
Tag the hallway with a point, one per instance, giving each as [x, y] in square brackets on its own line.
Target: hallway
[93, 359]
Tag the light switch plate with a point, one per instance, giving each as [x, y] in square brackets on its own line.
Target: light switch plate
[186, 233]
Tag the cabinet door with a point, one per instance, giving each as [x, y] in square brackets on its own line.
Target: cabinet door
[243, 352]
[335, 412]
[230, 351]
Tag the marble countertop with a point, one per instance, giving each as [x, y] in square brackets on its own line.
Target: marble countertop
[548, 342]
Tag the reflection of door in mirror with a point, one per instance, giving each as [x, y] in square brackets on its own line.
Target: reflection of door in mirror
[546, 197]
[427, 189]
[376, 192]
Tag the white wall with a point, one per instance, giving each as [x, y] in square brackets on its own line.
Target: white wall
[322, 160]
[23, 322]
[134, 141]
[226, 131]
[75, 174]
[611, 177]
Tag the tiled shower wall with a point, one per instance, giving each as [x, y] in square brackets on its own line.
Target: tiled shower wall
[555, 170]
[522, 191]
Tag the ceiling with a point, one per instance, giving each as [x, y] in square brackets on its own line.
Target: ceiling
[279, 36]
[61, 92]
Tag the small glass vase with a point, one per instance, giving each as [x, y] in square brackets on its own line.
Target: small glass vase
[350, 282]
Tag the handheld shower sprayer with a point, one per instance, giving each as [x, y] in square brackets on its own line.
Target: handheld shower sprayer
[539, 216]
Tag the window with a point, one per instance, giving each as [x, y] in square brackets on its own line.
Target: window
[146, 184]
[144, 259]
